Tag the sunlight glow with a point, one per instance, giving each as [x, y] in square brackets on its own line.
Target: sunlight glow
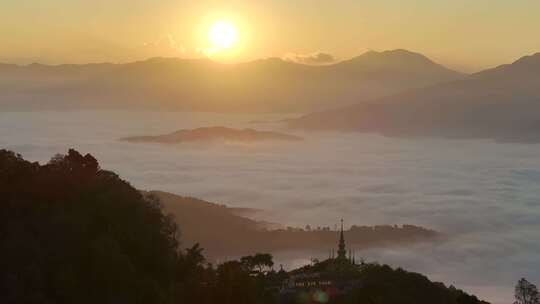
[223, 35]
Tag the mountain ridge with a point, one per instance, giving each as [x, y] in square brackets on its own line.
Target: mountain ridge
[266, 85]
[393, 52]
[500, 104]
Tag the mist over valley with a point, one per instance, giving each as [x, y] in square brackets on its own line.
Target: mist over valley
[486, 202]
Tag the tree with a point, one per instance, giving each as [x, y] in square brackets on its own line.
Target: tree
[258, 262]
[73, 233]
[526, 293]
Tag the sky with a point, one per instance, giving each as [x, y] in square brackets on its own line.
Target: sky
[467, 35]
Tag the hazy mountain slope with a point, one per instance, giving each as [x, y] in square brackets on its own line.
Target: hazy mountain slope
[501, 103]
[222, 232]
[202, 85]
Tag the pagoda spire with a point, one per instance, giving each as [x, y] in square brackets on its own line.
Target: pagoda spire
[342, 252]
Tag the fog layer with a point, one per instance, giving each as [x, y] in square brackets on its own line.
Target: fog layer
[484, 195]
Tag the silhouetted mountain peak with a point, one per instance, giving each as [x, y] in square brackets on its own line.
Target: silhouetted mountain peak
[526, 67]
[391, 56]
[399, 60]
[401, 54]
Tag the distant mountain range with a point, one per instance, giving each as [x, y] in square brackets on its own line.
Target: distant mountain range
[269, 85]
[501, 103]
[213, 134]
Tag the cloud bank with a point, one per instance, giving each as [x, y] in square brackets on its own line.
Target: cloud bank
[166, 45]
[310, 58]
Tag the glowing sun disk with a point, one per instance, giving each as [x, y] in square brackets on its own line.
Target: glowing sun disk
[223, 35]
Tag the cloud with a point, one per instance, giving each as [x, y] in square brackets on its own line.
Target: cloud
[165, 46]
[310, 58]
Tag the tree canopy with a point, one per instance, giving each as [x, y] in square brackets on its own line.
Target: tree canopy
[71, 232]
[526, 293]
[381, 284]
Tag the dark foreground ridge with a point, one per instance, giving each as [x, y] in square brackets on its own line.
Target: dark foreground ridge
[213, 134]
[71, 232]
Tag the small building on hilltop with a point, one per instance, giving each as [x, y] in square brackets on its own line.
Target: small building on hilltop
[323, 281]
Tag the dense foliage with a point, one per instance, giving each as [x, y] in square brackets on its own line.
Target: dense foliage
[73, 233]
[381, 284]
[373, 283]
[526, 293]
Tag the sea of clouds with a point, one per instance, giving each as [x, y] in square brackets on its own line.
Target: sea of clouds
[485, 196]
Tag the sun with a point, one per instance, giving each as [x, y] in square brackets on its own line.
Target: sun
[223, 35]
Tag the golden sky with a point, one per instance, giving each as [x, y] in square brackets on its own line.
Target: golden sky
[464, 34]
